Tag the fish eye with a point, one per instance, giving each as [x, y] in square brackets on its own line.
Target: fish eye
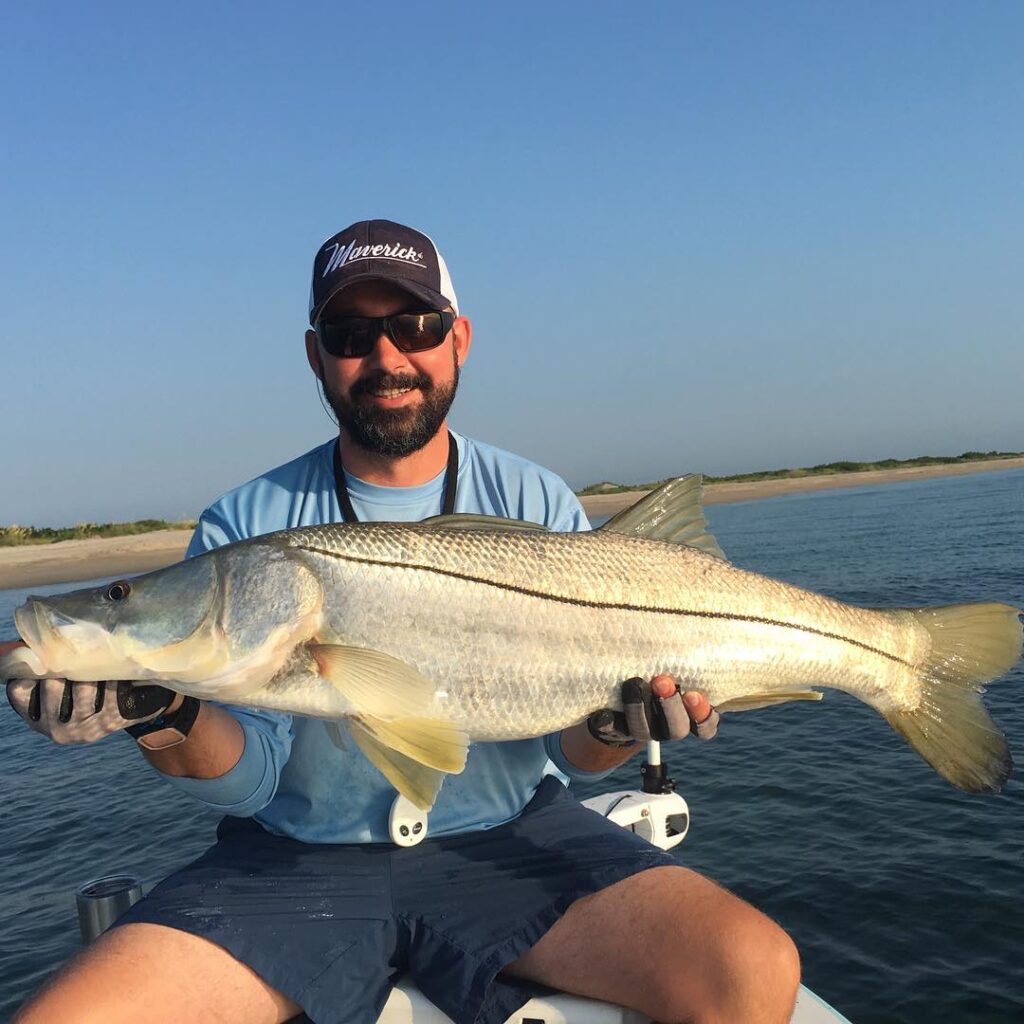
[119, 591]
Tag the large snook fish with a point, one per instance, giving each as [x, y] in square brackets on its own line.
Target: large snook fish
[423, 637]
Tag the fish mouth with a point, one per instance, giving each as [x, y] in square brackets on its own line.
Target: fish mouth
[26, 620]
[39, 626]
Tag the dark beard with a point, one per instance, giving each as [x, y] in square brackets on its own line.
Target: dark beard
[394, 433]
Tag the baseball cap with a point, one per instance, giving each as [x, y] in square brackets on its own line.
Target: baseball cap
[382, 250]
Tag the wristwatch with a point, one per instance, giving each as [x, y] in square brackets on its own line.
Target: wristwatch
[168, 729]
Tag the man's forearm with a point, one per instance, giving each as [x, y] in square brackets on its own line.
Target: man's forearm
[590, 755]
[211, 749]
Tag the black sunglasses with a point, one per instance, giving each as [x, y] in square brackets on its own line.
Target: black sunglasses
[354, 336]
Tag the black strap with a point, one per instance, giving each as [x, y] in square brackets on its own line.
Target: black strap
[451, 480]
[183, 719]
[348, 513]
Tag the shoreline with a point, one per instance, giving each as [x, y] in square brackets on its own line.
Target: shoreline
[71, 561]
[726, 493]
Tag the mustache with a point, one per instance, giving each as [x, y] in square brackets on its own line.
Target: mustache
[383, 381]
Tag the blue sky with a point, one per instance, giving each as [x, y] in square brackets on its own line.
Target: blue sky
[691, 236]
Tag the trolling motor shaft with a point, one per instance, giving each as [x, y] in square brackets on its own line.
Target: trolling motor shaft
[654, 772]
[102, 901]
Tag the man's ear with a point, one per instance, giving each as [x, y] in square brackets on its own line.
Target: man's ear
[462, 338]
[316, 363]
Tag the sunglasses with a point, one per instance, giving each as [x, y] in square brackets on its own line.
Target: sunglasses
[351, 337]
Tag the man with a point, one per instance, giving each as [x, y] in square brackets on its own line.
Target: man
[303, 904]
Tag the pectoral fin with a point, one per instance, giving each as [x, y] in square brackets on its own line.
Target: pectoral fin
[753, 701]
[374, 682]
[416, 782]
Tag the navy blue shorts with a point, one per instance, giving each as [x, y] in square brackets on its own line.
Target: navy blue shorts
[334, 927]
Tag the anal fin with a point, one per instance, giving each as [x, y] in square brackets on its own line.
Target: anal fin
[753, 701]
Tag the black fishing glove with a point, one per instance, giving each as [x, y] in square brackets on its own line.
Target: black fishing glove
[70, 712]
[646, 716]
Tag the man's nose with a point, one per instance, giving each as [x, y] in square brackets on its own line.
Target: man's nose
[385, 353]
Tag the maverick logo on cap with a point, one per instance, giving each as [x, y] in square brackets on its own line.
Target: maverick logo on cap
[353, 252]
[381, 250]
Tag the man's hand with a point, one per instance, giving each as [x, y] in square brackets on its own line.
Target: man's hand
[657, 710]
[213, 747]
[70, 712]
[654, 710]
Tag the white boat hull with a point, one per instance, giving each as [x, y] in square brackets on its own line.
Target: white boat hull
[407, 1005]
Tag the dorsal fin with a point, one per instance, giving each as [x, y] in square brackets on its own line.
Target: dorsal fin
[473, 521]
[672, 513]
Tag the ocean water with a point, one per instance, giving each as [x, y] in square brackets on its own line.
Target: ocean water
[905, 897]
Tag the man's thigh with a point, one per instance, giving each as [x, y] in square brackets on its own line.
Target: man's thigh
[156, 974]
[673, 945]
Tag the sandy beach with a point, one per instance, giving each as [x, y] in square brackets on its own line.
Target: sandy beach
[722, 494]
[72, 560]
[68, 561]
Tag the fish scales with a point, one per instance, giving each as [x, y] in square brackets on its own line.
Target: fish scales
[523, 628]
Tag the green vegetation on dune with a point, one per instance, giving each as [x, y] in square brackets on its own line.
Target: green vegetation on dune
[826, 468]
[12, 536]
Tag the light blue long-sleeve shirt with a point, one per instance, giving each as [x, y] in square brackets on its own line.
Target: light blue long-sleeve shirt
[291, 777]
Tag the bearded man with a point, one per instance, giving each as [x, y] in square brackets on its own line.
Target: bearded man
[304, 905]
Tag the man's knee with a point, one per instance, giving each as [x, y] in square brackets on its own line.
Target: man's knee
[759, 970]
[752, 974]
[772, 964]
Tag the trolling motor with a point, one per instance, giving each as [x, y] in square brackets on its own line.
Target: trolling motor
[654, 777]
[656, 812]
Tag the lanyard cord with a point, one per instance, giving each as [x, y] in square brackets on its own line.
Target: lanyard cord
[451, 479]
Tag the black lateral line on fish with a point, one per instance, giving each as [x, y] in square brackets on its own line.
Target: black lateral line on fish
[526, 592]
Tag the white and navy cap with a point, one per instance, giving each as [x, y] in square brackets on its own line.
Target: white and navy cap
[383, 250]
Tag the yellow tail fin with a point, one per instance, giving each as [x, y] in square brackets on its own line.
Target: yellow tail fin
[971, 644]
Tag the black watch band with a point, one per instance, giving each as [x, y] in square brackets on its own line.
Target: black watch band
[177, 723]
